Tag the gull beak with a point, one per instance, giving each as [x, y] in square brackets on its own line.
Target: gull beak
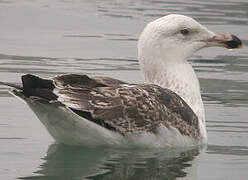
[228, 41]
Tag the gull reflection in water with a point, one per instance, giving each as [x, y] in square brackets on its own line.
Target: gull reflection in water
[67, 162]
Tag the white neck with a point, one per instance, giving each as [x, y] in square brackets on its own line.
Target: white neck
[178, 76]
[163, 51]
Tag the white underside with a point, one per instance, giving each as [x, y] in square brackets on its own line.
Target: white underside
[68, 128]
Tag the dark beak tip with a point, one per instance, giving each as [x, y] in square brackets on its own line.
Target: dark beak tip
[234, 43]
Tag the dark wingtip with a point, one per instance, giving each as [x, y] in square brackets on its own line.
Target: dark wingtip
[234, 43]
[35, 86]
[29, 81]
[32, 81]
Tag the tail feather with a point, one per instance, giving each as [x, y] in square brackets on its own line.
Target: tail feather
[17, 86]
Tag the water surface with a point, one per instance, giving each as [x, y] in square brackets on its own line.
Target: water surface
[99, 38]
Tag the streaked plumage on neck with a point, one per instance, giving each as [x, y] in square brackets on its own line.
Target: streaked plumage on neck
[163, 53]
[164, 48]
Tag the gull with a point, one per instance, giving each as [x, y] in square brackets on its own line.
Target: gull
[165, 111]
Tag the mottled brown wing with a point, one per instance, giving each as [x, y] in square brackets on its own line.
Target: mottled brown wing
[128, 108]
[84, 81]
[43, 88]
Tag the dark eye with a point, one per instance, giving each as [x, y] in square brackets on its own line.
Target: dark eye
[184, 31]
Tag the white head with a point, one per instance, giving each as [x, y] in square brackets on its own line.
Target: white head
[163, 49]
[171, 40]
[181, 36]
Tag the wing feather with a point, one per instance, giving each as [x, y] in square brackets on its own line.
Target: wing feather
[126, 107]
[114, 104]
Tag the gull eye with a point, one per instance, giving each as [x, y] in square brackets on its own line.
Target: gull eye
[184, 31]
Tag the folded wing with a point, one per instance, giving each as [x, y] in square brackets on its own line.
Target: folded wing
[125, 107]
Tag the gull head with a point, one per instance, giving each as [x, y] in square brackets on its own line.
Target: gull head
[177, 37]
[163, 49]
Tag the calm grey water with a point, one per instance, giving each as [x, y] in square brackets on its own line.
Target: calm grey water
[99, 38]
